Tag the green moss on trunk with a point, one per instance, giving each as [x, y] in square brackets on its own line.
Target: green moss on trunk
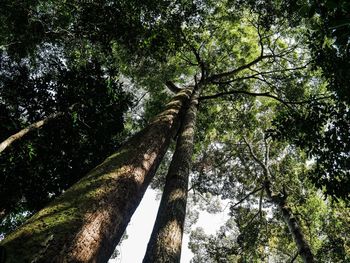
[166, 238]
[88, 220]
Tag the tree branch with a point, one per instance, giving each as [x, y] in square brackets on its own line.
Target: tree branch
[219, 76]
[263, 94]
[263, 165]
[196, 53]
[34, 126]
[294, 257]
[244, 198]
[172, 87]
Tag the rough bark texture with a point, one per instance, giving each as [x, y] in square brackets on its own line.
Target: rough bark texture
[304, 249]
[88, 220]
[166, 238]
[37, 125]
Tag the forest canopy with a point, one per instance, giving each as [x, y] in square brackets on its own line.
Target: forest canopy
[240, 102]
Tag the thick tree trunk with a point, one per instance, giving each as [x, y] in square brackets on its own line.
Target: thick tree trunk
[166, 237]
[34, 126]
[304, 249]
[88, 220]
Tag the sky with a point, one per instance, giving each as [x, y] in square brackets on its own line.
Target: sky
[140, 227]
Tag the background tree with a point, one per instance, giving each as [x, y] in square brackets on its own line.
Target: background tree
[328, 40]
[256, 230]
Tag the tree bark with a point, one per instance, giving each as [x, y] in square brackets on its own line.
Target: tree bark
[304, 249]
[166, 238]
[3, 214]
[34, 126]
[88, 220]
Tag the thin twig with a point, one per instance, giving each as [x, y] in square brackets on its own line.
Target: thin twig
[296, 254]
[244, 198]
[219, 76]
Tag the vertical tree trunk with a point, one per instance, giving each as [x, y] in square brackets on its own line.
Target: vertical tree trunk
[34, 126]
[3, 214]
[166, 237]
[88, 220]
[293, 225]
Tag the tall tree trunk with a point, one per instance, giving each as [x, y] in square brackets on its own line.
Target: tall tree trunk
[293, 225]
[166, 237]
[34, 126]
[87, 221]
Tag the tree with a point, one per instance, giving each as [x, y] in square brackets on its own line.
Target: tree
[279, 200]
[89, 219]
[59, 148]
[42, 28]
[239, 53]
[220, 76]
[52, 58]
[254, 174]
[166, 238]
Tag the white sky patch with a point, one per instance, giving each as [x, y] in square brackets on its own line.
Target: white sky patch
[132, 250]
[139, 230]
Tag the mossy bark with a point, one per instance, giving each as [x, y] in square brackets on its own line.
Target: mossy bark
[88, 220]
[166, 238]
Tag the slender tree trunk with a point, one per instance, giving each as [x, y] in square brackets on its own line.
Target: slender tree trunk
[3, 214]
[87, 221]
[166, 237]
[34, 126]
[304, 249]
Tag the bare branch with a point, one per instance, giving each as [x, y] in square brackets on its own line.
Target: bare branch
[263, 94]
[188, 60]
[280, 70]
[172, 87]
[294, 257]
[252, 219]
[196, 53]
[244, 198]
[260, 40]
[258, 73]
[260, 203]
[34, 126]
[251, 151]
[267, 152]
[219, 76]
